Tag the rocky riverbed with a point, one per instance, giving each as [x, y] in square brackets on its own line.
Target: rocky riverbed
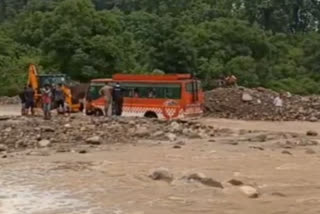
[257, 104]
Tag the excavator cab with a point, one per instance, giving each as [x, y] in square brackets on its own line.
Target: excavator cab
[52, 79]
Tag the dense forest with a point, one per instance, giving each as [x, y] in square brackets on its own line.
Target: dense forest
[270, 43]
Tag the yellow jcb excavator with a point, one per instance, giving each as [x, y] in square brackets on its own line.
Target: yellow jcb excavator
[74, 92]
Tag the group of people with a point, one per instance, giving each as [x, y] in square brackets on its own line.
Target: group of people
[227, 81]
[50, 95]
[113, 99]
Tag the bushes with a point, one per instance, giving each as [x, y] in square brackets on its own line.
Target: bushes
[208, 38]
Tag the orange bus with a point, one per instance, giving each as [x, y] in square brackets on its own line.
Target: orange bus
[157, 96]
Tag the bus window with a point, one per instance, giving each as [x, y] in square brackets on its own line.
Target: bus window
[173, 93]
[152, 93]
[136, 93]
[93, 92]
[156, 90]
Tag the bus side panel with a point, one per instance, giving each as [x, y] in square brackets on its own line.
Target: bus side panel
[127, 108]
[141, 106]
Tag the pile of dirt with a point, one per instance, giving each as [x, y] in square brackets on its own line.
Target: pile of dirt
[9, 100]
[19, 133]
[257, 104]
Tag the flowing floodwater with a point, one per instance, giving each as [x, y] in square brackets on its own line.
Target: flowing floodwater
[23, 190]
[22, 199]
[114, 178]
[10, 110]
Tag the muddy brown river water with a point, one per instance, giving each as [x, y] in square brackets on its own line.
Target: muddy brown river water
[113, 179]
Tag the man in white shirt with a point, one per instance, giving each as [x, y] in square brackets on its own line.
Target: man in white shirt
[106, 91]
[278, 103]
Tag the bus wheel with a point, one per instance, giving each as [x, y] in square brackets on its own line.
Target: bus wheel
[89, 113]
[81, 107]
[98, 113]
[150, 114]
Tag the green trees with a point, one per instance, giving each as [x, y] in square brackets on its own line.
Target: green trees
[272, 43]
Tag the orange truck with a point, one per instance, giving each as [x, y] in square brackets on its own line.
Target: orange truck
[158, 96]
[72, 92]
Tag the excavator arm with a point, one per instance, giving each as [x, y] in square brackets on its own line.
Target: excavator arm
[33, 77]
[68, 95]
[33, 81]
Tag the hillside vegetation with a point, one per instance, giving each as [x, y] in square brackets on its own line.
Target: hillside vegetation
[270, 43]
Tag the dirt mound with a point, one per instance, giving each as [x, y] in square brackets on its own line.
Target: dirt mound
[19, 133]
[9, 100]
[257, 104]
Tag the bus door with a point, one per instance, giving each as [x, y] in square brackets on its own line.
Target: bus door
[127, 98]
[194, 98]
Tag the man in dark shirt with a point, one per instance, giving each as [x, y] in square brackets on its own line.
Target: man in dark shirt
[59, 98]
[117, 94]
[23, 101]
[29, 100]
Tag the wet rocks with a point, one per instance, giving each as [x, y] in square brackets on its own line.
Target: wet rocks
[158, 134]
[175, 126]
[47, 129]
[161, 174]
[310, 151]
[78, 130]
[257, 148]
[249, 191]
[171, 137]
[259, 138]
[44, 143]
[313, 119]
[312, 133]
[246, 97]
[278, 194]
[235, 182]
[286, 152]
[82, 151]
[63, 150]
[181, 143]
[302, 142]
[95, 140]
[67, 126]
[3, 148]
[9, 100]
[3, 118]
[38, 153]
[8, 129]
[257, 104]
[199, 177]
[142, 132]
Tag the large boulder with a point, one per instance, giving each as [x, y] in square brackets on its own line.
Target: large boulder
[161, 174]
[312, 133]
[199, 177]
[171, 137]
[142, 132]
[44, 143]
[95, 140]
[246, 97]
[249, 191]
[3, 148]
